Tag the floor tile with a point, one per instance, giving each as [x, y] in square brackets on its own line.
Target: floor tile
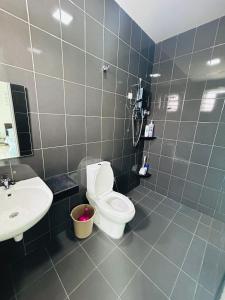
[151, 228]
[141, 288]
[184, 289]
[74, 268]
[94, 288]
[135, 248]
[207, 220]
[162, 272]
[141, 189]
[193, 260]
[148, 202]
[213, 267]
[117, 269]
[174, 243]
[140, 214]
[156, 196]
[203, 294]
[98, 247]
[192, 213]
[185, 222]
[47, 287]
[203, 231]
[171, 203]
[62, 244]
[135, 196]
[217, 238]
[165, 211]
[29, 269]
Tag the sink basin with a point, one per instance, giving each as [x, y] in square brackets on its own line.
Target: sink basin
[22, 206]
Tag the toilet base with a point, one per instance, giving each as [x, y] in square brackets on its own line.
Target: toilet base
[115, 231]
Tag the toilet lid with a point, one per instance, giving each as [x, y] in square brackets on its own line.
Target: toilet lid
[117, 204]
[104, 179]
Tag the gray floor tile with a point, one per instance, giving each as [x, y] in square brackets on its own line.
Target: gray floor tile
[185, 222]
[117, 269]
[32, 267]
[135, 248]
[171, 203]
[203, 231]
[192, 213]
[141, 288]
[205, 219]
[217, 238]
[165, 211]
[74, 268]
[98, 247]
[148, 202]
[203, 294]
[135, 196]
[151, 228]
[47, 287]
[162, 272]
[184, 289]
[94, 288]
[193, 261]
[63, 244]
[213, 267]
[174, 243]
[140, 214]
[142, 189]
[156, 196]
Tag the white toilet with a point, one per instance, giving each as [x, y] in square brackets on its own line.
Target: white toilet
[113, 210]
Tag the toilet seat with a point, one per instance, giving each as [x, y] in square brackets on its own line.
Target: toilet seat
[116, 206]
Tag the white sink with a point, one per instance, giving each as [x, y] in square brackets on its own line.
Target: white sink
[22, 206]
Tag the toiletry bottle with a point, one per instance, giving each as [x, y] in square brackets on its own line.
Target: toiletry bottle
[151, 129]
[146, 130]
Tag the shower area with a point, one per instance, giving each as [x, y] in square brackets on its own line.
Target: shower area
[187, 157]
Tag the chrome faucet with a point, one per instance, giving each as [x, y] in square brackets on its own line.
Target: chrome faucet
[6, 182]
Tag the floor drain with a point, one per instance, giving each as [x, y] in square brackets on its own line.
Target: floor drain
[13, 215]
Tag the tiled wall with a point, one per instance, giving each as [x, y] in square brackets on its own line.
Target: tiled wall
[188, 156]
[77, 112]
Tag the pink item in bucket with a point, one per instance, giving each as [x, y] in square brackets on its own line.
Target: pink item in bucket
[85, 216]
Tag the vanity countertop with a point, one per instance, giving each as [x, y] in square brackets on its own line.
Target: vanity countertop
[62, 186]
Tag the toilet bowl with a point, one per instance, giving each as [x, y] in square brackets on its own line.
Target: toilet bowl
[113, 210]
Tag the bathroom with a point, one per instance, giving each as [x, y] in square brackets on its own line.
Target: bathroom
[79, 82]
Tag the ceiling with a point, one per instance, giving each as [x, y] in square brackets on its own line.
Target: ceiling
[161, 19]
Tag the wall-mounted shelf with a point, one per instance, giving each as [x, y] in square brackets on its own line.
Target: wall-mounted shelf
[145, 176]
[148, 138]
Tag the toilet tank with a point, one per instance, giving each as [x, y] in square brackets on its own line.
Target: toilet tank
[100, 179]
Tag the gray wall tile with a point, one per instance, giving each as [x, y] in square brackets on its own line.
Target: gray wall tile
[48, 54]
[74, 31]
[41, 15]
[18, 32]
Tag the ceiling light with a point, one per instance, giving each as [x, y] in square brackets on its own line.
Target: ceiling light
[213, 62]
[155, 75]
[64, 16]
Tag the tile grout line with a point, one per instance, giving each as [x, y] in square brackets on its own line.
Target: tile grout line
[59, 278]
[182, 108]
[186, 254]
[64, 91]
[139, 267]
[35, 87]
[96, 267]
[212, 145]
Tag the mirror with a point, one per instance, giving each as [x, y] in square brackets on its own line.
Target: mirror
[15, 133]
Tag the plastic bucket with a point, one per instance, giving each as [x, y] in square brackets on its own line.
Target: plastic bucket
[82, 229]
